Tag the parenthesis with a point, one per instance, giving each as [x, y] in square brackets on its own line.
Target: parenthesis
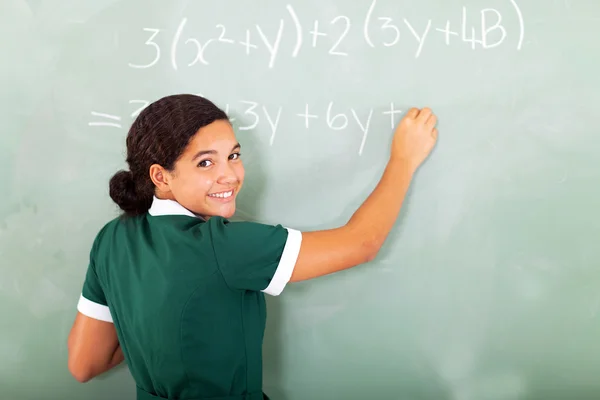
[298, 30]
[367, 21]
[176, 41]
[521, 23]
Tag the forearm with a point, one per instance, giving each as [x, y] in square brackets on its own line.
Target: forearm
[117, 359]
[357, 242]
[85, 373]
[375, 218]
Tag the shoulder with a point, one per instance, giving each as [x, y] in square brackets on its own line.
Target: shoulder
[253, 255]
[220, 226]
[240, 238]
[114, 227]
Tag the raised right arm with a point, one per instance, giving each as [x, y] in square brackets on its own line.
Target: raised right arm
[328, 251]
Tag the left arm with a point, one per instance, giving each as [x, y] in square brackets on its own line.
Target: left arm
[93, 347]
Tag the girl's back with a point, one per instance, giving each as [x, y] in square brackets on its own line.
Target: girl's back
[183, 304]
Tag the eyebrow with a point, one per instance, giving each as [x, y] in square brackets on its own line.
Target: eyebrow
[204, 152]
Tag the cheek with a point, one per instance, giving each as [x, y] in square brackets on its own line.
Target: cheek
[240, 172]
[202, 182]
[194, 183]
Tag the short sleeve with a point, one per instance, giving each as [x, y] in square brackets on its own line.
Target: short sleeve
[92, 301]
[254, 256]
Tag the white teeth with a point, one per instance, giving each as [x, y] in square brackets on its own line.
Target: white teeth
[223, 195]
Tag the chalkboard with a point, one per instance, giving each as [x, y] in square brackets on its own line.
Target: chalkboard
[487, 288]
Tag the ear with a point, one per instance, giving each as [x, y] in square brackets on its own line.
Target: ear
[160, 177]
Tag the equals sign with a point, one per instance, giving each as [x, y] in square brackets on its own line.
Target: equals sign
[105, 123]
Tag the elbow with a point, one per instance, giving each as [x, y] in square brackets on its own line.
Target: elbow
[80, 372]
[371, 256]
[80, 375]
[370, 250]
[82, 378]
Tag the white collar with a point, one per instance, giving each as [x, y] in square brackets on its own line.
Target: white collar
[168, 207]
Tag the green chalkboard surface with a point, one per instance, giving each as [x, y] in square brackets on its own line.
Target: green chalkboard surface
[488, 286]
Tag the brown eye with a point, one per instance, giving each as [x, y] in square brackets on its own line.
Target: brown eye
[235, 156]
[205, 163]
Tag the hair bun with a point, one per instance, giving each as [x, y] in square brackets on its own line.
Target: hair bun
[123, 192]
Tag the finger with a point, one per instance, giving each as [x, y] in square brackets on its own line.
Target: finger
[424, 114]
[413, 113]
[431, 121]
[434, 133]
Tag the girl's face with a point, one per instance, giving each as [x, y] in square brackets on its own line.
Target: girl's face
[209, 174]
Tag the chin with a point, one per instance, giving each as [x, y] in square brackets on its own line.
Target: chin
[226, 212]
[224, 209]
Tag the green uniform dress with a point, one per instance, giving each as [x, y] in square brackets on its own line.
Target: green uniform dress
[186, 297]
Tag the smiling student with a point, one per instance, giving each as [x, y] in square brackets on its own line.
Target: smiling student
[177, 289]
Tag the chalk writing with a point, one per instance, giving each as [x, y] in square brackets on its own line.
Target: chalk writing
[387, 24]
[248, 43]
[447, 32]
[298, 30]
[106, 123]
[272, 47]
[472, 39]
[485, 30]
[136, 112]
[420, 38]
[316, 33]
[252, 114]
[154, 45]
[306, 116]
[346, 24]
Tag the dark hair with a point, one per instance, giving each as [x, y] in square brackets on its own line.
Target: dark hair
[159, 135]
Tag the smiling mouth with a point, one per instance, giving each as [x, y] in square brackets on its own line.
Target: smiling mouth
[222, 195]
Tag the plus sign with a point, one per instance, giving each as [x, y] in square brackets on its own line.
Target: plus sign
[306, 116]
[392, 112]
[247, 43]
[447, 32]
[315, 33]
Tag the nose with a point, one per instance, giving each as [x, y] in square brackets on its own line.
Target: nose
[227, 175]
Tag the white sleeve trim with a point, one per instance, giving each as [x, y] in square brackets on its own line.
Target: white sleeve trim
[286, 263]
[94, 310]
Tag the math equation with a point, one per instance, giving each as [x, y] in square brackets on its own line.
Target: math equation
[477, 29]
[486, 31]
[254, 114]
